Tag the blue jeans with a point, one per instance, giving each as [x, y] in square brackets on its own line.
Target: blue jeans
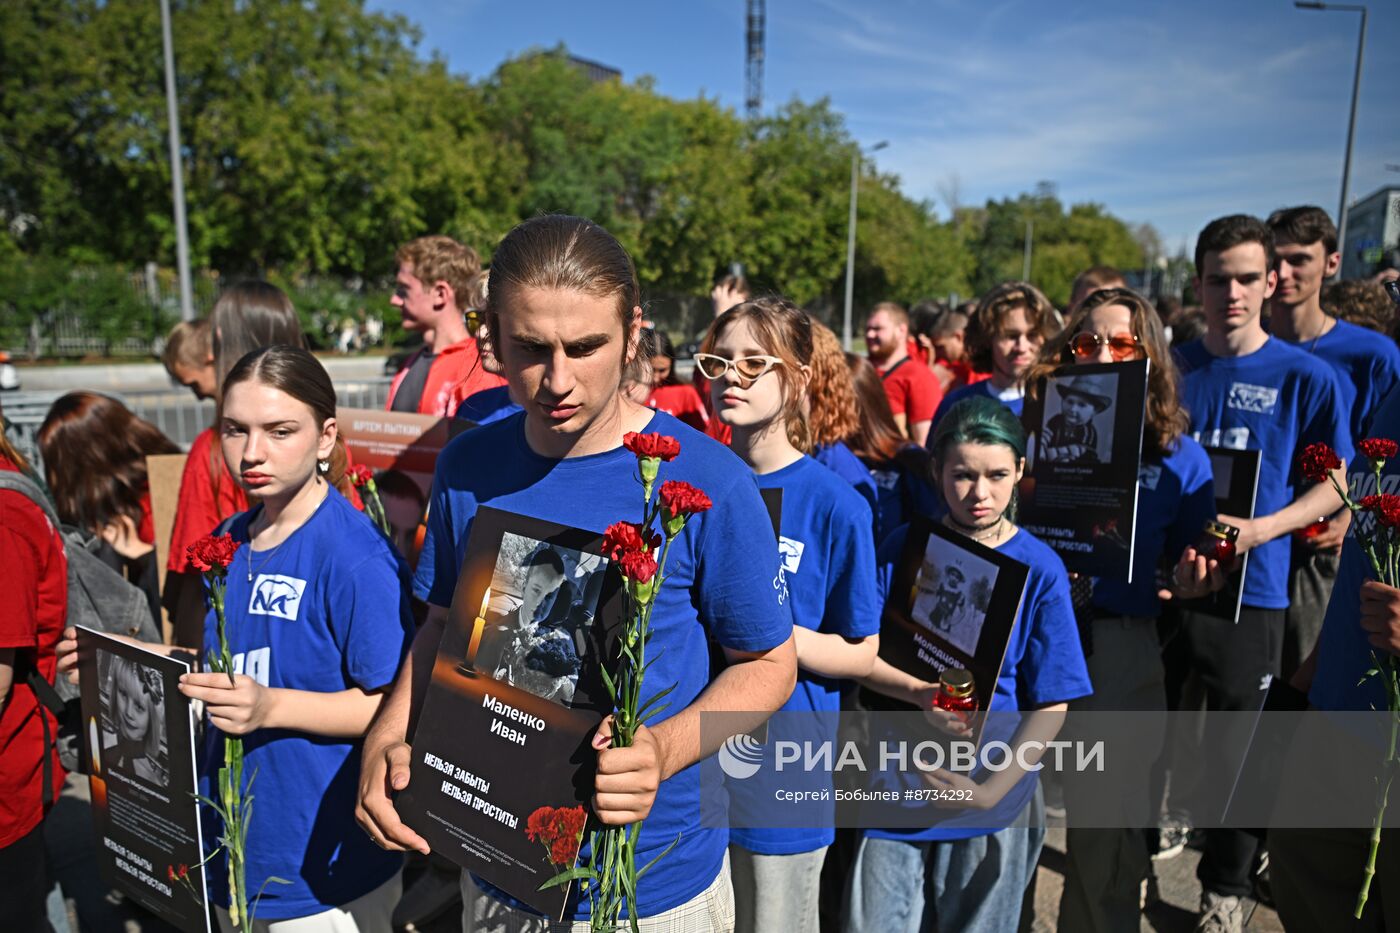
[965, 885]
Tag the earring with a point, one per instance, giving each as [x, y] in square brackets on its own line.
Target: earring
[323, 465]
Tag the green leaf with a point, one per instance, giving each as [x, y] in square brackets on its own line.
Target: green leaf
[647, 867]
[573, 874]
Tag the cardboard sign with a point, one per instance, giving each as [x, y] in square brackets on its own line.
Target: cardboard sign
[393, 440]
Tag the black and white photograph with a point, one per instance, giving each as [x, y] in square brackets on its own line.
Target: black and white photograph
[133, 718]
[1079, 418]
[538, 620]
[140, 761]
[953, 591]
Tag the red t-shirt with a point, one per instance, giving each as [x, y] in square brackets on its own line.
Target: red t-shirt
[455, 375]
[912, 389]
[31, 620]
[682, 401]
[199, 511]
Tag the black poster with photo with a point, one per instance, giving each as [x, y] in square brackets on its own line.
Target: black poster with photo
[140, 758]
[503, 737]
[1083, 449]
[1236, 485]
[952, 603]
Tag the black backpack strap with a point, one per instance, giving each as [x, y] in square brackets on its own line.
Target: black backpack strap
[890, 372]
[49, 699]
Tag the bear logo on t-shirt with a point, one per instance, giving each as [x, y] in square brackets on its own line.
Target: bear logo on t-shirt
[276, 595]
[1257, 399]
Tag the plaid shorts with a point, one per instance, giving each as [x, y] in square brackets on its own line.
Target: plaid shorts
[710, 911]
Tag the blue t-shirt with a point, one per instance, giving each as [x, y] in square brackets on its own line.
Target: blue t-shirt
[719, 580]
[1176, 497]
[327, 611]
[838, 458]
[1367, 365]
[1343, 653]
[983, 389]
[901, 495]
[1044, 665]
[488, 405]
[827, 577]
[1277, 400]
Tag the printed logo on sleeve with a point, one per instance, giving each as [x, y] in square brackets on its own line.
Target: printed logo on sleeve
[789, 559]
[1257, 399]
[276, 595]
[1149, 475]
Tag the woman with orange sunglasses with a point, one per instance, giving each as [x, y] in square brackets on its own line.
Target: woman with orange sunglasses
[1176, 497]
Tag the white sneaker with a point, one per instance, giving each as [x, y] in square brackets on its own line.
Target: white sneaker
[1220, 913]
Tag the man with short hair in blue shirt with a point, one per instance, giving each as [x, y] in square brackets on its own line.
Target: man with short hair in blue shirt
[1305, 241]
[1248, 391]
[564, 316]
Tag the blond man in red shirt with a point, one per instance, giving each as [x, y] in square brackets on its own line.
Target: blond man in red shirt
[435, 276]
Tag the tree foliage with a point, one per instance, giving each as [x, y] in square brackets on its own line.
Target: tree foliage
[317, 138]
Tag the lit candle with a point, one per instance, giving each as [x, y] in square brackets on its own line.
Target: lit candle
[477, 627]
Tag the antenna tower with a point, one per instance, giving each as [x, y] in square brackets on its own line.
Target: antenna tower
[753, 66]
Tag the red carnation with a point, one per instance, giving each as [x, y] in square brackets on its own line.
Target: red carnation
[170, 872]
[637, 565]
[1379, 449]
[183, 871]
[571, 820]
[679, 498]
[1370, 503]
[660, 446]
[1318, 461]
[359, 475]
[211, 552]
[537, 824]
[1386, 508]
[563, 850]
[626, 536]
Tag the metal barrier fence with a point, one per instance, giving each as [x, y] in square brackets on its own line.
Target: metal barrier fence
[177, 413]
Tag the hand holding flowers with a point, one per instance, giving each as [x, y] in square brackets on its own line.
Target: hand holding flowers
[630, 759]
[1379, 539]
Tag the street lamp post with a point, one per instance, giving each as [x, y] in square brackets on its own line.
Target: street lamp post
[1351, 123]
[177, 180]
[851, 241]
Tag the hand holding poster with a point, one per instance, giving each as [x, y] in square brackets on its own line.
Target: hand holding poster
[1236, 484]
[140, 737]
[952, 604]
[502, 762]
[1083, 449]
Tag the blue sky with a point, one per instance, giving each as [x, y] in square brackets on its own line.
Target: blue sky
[1167, 112]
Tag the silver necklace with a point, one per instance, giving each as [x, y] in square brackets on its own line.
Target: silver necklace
[1327, 322]
[272, 551]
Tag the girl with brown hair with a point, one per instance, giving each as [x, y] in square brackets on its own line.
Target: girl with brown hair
[318, 618]
[758, 357]
[1176, 497]
[94, 451]
[901, 470]
[834, 414]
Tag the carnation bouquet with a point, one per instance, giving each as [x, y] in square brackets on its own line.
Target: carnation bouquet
[611, 877]
[1380, 541]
